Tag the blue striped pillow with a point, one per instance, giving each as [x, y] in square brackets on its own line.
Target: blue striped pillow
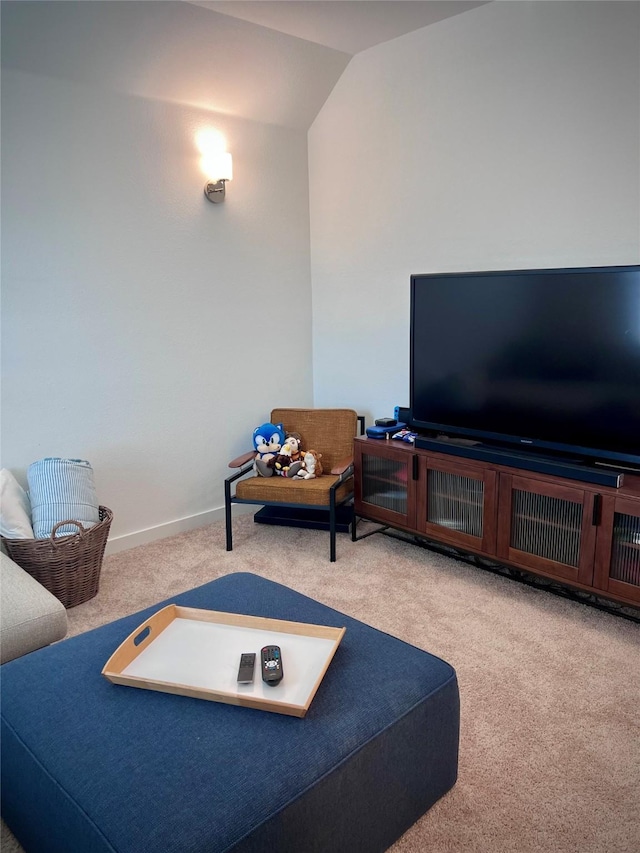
[59, 490]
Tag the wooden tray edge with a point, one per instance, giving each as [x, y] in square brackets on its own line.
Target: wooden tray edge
[146, 632]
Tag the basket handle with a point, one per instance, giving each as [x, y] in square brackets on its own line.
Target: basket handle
[61, 524]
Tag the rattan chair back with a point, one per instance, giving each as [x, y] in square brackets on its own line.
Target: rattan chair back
[329, 431]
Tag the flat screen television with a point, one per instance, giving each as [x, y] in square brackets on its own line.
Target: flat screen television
[545, 359]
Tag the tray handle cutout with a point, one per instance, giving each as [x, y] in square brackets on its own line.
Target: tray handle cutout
[138, 640]
[142, 636]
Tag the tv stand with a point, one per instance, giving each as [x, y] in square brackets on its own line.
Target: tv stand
[561, 523]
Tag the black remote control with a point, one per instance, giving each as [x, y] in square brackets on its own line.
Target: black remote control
[247, 663]
[271, 657]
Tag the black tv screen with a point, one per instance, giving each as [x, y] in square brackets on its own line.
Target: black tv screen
[548, 359]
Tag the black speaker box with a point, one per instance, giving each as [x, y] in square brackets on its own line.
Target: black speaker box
[541, 464]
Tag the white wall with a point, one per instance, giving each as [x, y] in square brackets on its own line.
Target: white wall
[506, 137]
[145, 329]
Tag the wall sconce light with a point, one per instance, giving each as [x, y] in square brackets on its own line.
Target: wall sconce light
[218, 166]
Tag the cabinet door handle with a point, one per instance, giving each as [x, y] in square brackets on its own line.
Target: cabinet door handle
[597, 510]
[415, 467]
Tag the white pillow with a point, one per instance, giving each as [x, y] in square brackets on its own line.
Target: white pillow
[15, 508]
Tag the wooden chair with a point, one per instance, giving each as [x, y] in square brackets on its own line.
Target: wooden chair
[329, 432]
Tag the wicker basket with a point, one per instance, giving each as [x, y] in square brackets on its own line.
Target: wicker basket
[69, 567]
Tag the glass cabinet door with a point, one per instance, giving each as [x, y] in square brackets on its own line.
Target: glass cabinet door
[618, 548]
[625, 549]
[456, 503]
[385, 484]
[547, 527]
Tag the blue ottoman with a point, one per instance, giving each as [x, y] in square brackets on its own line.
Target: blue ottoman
[92, 766]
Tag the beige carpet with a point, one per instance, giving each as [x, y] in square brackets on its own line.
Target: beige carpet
[550, 689]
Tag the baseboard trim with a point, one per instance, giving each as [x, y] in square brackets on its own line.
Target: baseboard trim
[161, 531]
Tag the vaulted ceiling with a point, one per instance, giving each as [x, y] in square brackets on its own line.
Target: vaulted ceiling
[346, 25]
[273, 62]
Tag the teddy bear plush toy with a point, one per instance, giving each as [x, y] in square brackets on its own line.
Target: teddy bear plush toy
[289, 461]
[267, 442]
[311, 466]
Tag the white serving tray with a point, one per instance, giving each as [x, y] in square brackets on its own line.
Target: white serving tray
[197, 652]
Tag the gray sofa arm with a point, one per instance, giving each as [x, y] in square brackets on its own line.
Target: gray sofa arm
[30, 616]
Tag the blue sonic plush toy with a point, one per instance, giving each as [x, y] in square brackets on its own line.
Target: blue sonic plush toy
[267, 441]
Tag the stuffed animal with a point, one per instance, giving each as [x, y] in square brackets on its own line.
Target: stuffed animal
[267, 441]
[311, 466]
[289, 461]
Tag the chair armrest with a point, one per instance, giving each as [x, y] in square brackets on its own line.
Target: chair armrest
[242, 460]
[342, 466]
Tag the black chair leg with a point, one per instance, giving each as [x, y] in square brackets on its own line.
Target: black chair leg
[332, 527]
[227, 515]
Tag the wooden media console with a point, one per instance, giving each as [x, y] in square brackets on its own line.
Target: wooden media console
[584, 535]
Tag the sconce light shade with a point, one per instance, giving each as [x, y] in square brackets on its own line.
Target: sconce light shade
[218, 166]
